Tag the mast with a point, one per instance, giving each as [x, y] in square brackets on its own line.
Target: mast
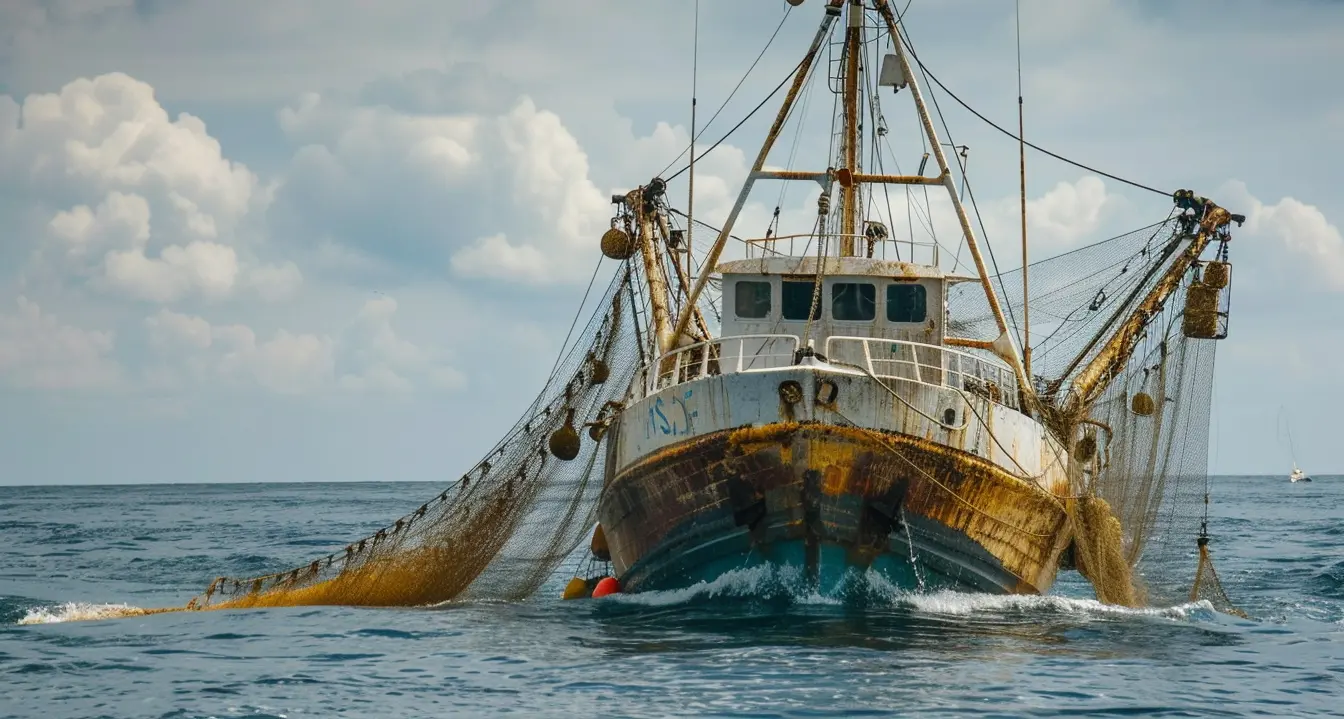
[849, 211]
[1005, 342]
[641, 202]
[690, 190]
[683, 279]
[1022, 170]
[799, 78]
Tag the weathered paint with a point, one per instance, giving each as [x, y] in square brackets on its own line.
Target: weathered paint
[1007, 438]
[879, 273]
[726, 471]
[798, 492]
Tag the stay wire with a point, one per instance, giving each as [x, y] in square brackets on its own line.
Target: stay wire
[729, 99]
[555, 368]
[736, 127]
[998, 275]
[1009, 133]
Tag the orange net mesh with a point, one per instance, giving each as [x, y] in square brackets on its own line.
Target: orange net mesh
[1139, 458]
[501, 529]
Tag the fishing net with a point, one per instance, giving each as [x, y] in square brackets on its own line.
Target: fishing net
[1138, 445]
[1139, 449]
[502, 529]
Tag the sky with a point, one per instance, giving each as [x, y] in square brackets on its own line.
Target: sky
[336, 240]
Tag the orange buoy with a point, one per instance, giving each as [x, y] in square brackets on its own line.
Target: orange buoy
[605, 586]
[576, 589]
[599, 545]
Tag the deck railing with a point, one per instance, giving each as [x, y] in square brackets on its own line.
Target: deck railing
[884, 358]
[885, 248]
[722, 355]
[927, 364]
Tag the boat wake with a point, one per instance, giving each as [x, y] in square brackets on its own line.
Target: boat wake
[82, 612]
[781, 586]
[871, 589]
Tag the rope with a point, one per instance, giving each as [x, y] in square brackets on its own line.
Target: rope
[964, 424]
[883, 441]
[575, 323]
[966, 397]
[814, 308]
[708, 226]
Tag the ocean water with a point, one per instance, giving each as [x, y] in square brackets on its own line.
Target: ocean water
[737, 648]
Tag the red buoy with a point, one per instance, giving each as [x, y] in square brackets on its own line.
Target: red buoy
[607, 585]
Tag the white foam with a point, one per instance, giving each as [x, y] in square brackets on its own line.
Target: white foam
[762, 580]
[964, 604]
[771, 581]
[78, 612]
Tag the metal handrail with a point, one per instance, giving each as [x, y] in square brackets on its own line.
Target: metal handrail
[953, 368]
[809, 235]
[682, 364]
[768, 243]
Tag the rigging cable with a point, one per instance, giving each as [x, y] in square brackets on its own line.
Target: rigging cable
[905, 37]
[971, 194]
[729, 99]
[555, 368]
[728, 134]
[1009, 133]
[880, 131]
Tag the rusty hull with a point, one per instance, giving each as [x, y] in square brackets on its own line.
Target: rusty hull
[739, 497]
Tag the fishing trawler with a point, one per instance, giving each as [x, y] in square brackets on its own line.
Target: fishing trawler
[836, 400]
[838, 424]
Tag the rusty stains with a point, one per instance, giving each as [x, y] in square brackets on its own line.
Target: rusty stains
[827, 394]
[834, 481]
[1024, 527]
[790, 395]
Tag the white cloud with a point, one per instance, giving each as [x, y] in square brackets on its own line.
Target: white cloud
[275, 283]
[368, 354]
[1066, 216]
[501, 197]
[494, 258]
[170, 331]
[1313, 244]
[195, 351]
[120, 220]
[380, 359]
[110, 133]
[208, 267]
[38, 351]
[169, 213]
[551, 184]
[286, 363]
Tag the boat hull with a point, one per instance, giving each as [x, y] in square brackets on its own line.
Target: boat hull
[831, 502]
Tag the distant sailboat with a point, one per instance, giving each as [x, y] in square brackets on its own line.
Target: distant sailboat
[1297, 475]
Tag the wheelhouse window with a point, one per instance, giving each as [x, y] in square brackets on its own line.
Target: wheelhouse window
[853, 302]
[796, 299]
[751, 300]
[907, 303]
